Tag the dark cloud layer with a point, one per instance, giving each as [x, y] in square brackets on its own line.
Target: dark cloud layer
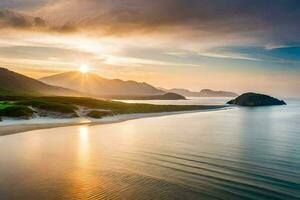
[25, 4]
[15, 20]
[210, 42]
[272, 21]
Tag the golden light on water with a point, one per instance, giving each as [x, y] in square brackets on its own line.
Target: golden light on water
[83, 148]
[83, 133]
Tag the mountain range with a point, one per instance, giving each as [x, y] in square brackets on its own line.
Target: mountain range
[89, 84]
[95, 85]
[13, 83]
[203, 93]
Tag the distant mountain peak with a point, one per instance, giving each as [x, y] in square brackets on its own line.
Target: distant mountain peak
[203, 93]
[95, 85]
[15, 83]
[220, 93]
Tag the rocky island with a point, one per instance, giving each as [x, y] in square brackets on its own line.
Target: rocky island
[254, 99]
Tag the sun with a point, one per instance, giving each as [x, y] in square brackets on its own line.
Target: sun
[84, 69]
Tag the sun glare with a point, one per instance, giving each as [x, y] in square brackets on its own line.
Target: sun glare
[84, 69]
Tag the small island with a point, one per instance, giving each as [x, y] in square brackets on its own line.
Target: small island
[253, 99]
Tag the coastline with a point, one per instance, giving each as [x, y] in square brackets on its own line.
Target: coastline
[25, 127]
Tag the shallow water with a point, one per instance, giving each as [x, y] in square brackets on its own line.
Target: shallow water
[240, 153]
[188, 101]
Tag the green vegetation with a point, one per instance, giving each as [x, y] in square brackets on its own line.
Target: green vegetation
[49, 105]
[10, 110]
[68, 105]
[115, 107]
[99, 114]
[4, 104]
[16, 111]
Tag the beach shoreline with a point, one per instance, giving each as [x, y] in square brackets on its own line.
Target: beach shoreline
[25, 127]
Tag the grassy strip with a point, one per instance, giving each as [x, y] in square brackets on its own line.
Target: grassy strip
[16, 111]
[99, 114]
[10, 110]
[116, 107]
[68, 105]
[49, 105]
[4, 104]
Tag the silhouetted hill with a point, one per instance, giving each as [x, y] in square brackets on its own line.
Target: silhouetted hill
[95, 85]
[212, 93]
[253, 99]
[13, 83]
[203, 93]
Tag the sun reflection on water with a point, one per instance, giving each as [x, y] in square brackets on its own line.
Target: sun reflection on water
[80, 179]
[83, 144]
[84, 134]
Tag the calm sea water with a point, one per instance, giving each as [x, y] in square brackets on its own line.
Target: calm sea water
[240, 153]
[189, 101]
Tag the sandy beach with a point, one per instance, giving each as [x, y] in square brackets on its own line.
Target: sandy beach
[19, 126]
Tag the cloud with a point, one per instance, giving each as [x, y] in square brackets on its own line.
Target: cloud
[275, 46]
[15, 20]
[25, 4]
[236, 56]
[42, 53]
[255, 22]
[211, 43]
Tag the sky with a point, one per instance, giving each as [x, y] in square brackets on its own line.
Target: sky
[241, 46]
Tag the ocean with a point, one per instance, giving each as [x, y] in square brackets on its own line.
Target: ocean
[236, 153]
